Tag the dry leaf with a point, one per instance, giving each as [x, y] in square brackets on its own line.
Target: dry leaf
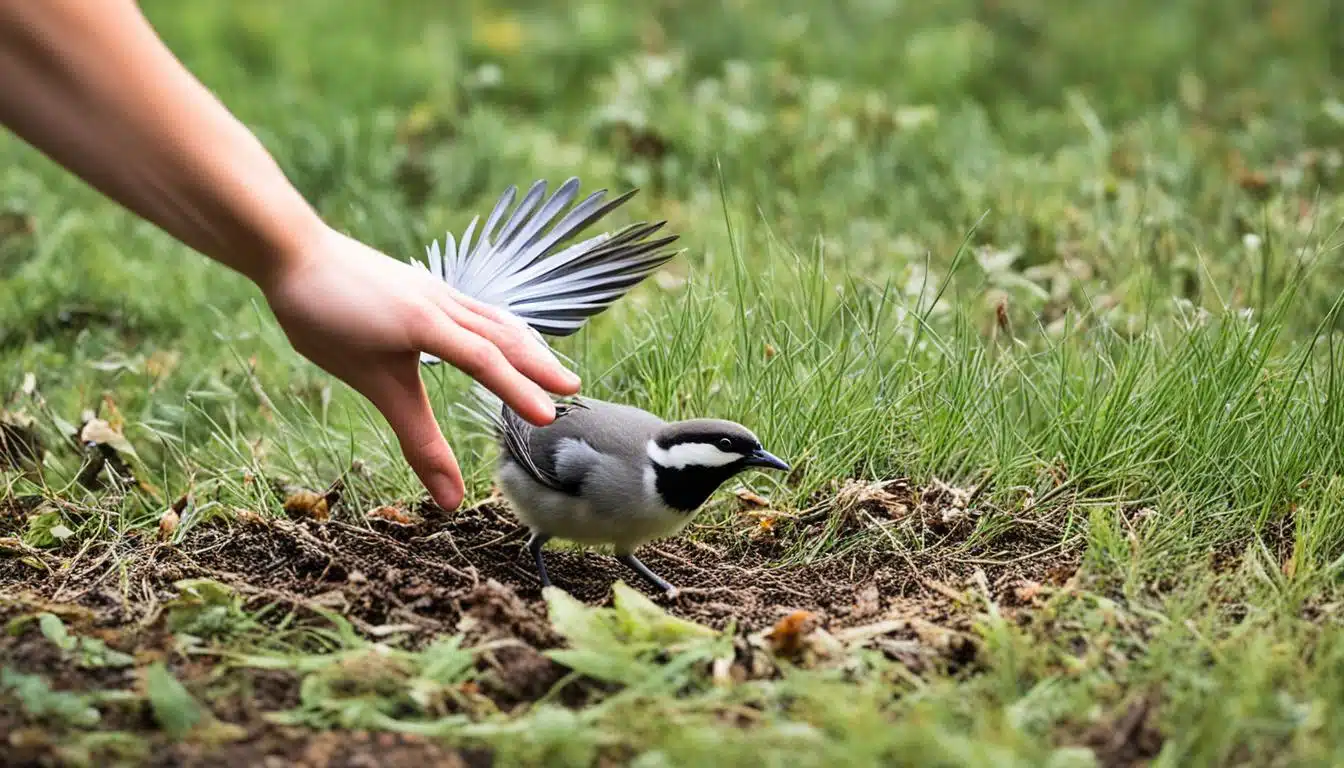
[97, 432]
[391, 514]
[786, 638]
[248, 517]
[765, 526]
[306, 504]
[750, 499]
[1255, 182]
[114, 417]
[168, 523]
[1026, 591]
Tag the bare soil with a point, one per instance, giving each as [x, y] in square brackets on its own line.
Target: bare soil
[422, 576]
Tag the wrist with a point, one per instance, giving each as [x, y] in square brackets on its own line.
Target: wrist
[295, 238]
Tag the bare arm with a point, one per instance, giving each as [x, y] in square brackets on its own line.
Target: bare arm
[89, 83]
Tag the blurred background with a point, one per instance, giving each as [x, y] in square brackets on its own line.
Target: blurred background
[1119, 130]
[1120, 162]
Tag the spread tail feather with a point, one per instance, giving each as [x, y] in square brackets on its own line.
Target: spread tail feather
[515, 264]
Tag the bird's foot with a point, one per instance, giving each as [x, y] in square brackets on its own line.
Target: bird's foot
[670, 592]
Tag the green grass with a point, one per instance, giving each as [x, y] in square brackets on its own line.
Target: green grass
[1082, 256]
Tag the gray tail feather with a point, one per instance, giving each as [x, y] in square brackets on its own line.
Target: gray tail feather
[516, 265]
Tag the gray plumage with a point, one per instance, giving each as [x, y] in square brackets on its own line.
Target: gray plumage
[605, 473]
[586, 477]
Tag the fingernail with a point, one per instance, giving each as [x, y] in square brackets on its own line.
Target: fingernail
[447, 493]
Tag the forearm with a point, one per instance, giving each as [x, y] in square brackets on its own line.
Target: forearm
[89, 83]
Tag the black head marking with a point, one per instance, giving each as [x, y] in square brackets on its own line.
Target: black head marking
[686, 485]
[727, 436]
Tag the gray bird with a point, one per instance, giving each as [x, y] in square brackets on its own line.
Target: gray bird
[601, 473]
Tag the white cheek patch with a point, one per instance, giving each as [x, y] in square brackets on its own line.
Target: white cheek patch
[684, 455]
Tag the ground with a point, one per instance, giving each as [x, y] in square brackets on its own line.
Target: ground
[1040, 299]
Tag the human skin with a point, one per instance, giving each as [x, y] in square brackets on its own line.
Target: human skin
[89, 84]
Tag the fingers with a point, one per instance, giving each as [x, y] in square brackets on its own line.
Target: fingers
[400, 396]
[482, 360]
[527, 353]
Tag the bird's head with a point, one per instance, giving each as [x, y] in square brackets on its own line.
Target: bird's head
[691, 459]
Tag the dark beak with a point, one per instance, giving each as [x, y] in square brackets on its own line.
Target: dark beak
[763, 458]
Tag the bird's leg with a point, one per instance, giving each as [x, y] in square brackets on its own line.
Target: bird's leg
[534, 545]
[653, 578]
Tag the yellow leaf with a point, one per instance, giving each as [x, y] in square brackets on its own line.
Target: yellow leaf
[501, 35]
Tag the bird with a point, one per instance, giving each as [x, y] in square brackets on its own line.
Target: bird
[601, 473]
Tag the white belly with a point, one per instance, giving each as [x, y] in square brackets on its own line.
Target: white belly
[624, 523]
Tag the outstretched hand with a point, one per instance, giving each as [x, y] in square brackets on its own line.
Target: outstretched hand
[365, 318]
[168, 150]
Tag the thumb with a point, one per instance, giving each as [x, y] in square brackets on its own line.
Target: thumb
[400, 396]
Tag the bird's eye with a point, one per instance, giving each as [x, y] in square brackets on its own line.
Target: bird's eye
[725, 444]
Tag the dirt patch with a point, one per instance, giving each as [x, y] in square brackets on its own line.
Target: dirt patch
[408, 578]
[30, 740]
[427, 575]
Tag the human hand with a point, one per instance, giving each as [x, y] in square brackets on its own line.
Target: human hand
[169, 151]
[365, 317]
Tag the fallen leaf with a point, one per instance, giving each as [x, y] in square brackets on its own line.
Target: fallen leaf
[766, 525]
[1026, 591]
[97, 432]
[1256, 183]
[750, 499]
[248, 517]
[786, 637]
[168, 523]
[303, 503]
[391, 514]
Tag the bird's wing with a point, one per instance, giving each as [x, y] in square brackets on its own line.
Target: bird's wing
[532, 449]
[537, 451]
[515, 263]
